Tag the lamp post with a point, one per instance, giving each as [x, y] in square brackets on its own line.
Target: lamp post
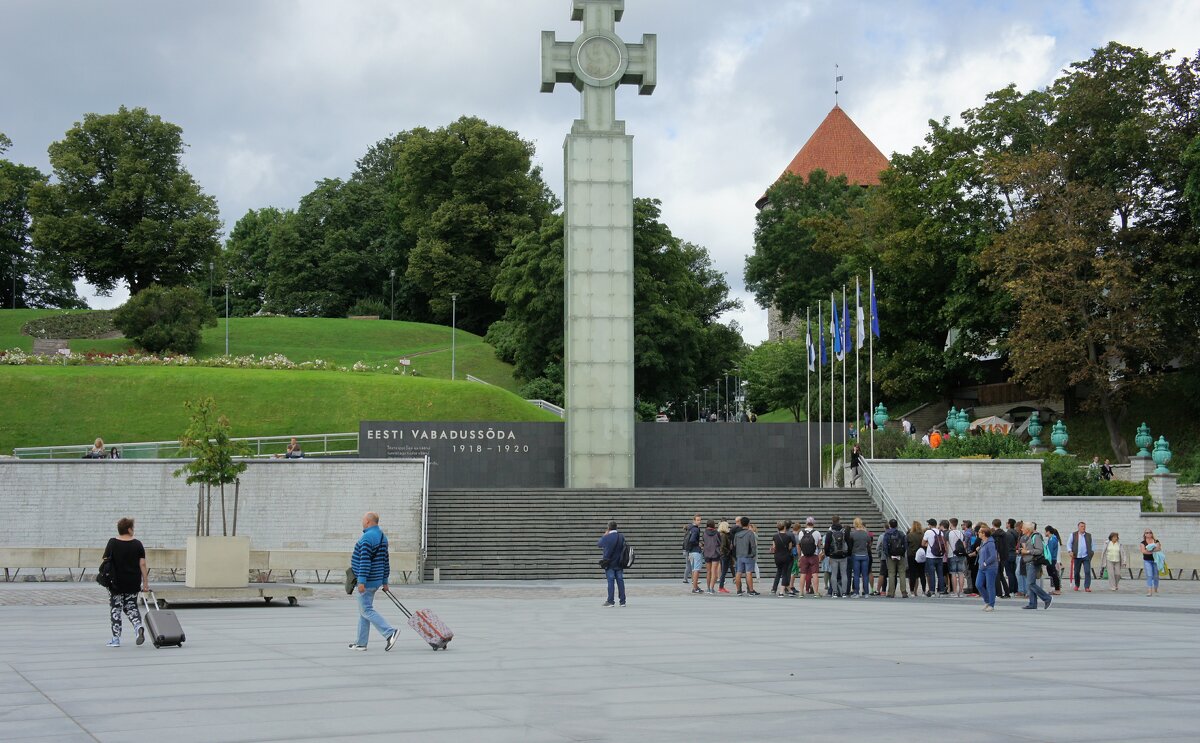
[726, 417]
[226, 316]
[453, 332]
[393, 304]
[14, 272]
[211, 266]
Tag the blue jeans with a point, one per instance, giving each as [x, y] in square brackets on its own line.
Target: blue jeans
[935, 579]
[618, 577]
[1151, 570]
[1021, 579]
[1032, 588]
[367, 616]
[860, 579]
[985, 580]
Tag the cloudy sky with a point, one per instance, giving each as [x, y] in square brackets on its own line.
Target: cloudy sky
[273, 95]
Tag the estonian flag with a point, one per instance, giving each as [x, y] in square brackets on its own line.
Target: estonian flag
[874, 307]
[862, 331]
[835, 330]
[808, 344]
[821, 332]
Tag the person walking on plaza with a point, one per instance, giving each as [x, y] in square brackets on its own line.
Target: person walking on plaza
[781, 549]
[691, 545]
[860, 557]
[809, 546]
[855, 461]
[837, 550]
[1053, 541]
[727, 566]
[1006, 546]
[1032, 556]
[1151, 550]
[1080, 549]
[1016, 531]
[989, 568]
[1115, 560]
[895, 563]
[371, 566]
[745, 550]
[612, 547]
[711, 547]
[127, 558]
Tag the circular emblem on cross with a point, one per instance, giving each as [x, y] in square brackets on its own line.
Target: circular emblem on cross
[600, 59]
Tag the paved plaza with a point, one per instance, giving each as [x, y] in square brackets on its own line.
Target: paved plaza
[545, 662]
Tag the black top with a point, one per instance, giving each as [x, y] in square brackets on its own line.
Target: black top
[783, 543]
[127, 567]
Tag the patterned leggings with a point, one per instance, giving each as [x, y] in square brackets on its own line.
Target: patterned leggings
[123, 602]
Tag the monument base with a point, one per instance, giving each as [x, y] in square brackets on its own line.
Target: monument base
[1140, 468]
[1164, 489]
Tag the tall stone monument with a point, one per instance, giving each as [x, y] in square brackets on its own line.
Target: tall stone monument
[599, 242]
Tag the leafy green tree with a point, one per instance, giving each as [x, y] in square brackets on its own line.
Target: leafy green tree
[165, 318]
[40, 281]
[465, 193]
[123, 208]
[245, 258]
[776, 375]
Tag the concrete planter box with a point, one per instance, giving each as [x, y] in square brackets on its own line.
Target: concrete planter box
[218, 562]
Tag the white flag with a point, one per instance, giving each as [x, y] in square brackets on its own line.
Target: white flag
[861, 330]
[812, 356]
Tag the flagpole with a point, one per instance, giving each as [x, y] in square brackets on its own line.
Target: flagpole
[820, 397]
[857, 362]
[808, 365]
[871, 361]
[833, 325]
[845, 361]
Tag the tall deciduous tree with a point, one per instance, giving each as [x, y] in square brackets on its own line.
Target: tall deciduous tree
[776, 376]
[465, 192]
[39, 280]
[124, 209]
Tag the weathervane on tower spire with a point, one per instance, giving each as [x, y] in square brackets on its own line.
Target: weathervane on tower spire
[836, 79]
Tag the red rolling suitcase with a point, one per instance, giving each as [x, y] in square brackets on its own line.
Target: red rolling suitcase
[426, 624]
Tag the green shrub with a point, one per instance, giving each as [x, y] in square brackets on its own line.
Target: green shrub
[1126, 489]
[369, 308]
[543, 388]
[165, 318]
[71, 325]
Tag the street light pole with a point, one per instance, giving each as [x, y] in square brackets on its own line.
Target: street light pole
[210, 280]
[14, 271]
[226, 317]
[393, 305]
[453, 333]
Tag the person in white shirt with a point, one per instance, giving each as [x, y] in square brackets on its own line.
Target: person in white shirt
[935, 554]
[958, 562]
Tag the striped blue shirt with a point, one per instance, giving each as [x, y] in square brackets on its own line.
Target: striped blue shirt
[370, 559]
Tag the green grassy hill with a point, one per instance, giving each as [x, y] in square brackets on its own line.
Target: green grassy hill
[46, 406]
[306, 339]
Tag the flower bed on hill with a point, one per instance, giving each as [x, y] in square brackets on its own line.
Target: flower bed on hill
[17, 357]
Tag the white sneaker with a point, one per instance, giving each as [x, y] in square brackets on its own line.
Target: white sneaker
[391, 641]
[114, 643]
[356, 646]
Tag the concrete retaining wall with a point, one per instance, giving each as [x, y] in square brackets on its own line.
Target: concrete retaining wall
[988, 489]
[302, 505]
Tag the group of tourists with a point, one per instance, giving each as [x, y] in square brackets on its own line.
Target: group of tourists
[941, 558]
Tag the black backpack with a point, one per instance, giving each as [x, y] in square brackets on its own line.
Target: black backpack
[628, 556]
[960, 547]
[897, 544]
[808, 543]
[837, 543]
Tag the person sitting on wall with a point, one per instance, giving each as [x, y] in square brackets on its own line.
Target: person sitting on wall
[293, 451]
[97, 451]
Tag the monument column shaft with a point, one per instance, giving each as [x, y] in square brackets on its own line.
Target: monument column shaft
[599, 310]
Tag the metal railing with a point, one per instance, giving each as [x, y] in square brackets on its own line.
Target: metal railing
[548, 406]
[314, 445]
[880, 495]
[477, 380]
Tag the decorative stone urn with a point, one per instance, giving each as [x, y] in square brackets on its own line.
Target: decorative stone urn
[1035, 430]
[1059, 438]
[1143, 440]
[951, 418]
[1162, 455]
[963, 424]
[881, 416]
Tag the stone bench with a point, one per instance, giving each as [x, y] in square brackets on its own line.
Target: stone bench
[16, 559]
[292, 561]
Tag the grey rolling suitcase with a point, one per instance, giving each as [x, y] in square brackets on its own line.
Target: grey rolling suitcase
[162, 627]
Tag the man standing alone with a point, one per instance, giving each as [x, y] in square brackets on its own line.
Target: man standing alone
[1080, 548]
[612, 544]
[371, 569]
[691, 545]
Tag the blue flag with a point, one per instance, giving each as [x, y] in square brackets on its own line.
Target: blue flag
[835, 329]
[847, 335]
[821, 331]
[808, 344]
[860, 330]
[874, 308]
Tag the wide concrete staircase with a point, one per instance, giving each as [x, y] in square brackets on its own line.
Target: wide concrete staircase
[551, 534]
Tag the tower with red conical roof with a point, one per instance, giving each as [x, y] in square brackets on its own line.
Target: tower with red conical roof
[839, 148]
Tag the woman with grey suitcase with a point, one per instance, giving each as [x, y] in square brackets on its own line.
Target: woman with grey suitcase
[126, 558]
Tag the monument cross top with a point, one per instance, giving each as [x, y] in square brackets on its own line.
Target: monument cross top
[597, 62]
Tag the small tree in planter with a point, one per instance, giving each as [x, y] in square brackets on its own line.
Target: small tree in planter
[207, 440]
